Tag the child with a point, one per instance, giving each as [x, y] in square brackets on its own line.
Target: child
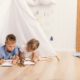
[30, 51]
[32, 46]
[9, 50]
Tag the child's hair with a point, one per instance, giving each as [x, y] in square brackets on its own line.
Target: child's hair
[11, 37]
[33, 44]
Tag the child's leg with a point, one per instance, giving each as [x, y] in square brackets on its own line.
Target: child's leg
[57, 58]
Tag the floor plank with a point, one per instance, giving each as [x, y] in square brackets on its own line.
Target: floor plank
[67, 69]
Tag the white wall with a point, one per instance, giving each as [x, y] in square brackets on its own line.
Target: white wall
[59, 21]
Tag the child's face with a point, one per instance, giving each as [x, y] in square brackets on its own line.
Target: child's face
[10, 45]
[29, 49]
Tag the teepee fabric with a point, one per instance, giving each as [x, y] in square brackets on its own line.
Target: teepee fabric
[17, 18]
[40, 2]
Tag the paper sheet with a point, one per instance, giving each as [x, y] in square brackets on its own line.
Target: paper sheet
[7, 63]
[28, 63]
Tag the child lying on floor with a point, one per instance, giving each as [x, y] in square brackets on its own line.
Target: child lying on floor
[9, 50]
[30, 51]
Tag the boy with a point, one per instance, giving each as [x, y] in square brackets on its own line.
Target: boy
[9, 50]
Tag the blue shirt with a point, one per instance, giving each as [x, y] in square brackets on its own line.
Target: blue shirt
[8, 55]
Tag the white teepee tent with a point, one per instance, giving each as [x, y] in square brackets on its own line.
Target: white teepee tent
[16, 17]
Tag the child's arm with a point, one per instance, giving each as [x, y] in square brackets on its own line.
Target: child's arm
[1, 58]
[35, 57]
[18, 57]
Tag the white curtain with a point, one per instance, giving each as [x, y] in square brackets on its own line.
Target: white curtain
[17, 18]
[40, 2]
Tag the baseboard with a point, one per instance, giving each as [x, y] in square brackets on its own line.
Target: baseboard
[76, 54]
[66, 50]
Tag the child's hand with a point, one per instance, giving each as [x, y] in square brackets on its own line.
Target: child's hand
[15, 60]
[1, 61]
[35, 60]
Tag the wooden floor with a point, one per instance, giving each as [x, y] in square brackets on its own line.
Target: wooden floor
[67, 69]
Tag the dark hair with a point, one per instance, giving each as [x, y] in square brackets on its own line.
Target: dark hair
[11, 37]
[33, 44]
